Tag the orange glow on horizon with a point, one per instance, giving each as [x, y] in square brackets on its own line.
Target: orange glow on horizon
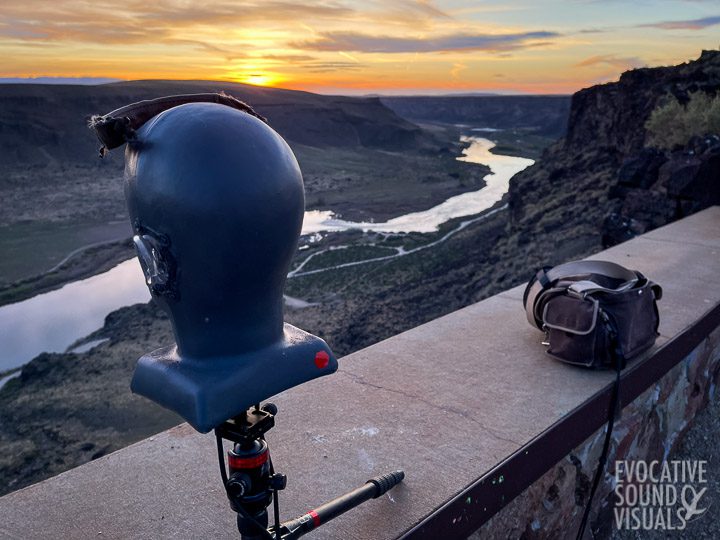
[257, 79]
[348, 46]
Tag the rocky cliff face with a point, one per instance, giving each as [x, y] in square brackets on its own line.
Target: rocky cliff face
[602, 184]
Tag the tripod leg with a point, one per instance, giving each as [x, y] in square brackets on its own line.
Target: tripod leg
[322, 514]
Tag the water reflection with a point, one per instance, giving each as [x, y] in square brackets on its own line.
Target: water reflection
[466, 204]
[52, 321]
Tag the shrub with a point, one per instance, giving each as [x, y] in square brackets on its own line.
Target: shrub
[672, 124]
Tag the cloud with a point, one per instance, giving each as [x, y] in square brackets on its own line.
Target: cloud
[235, 13]
[142, 21]
[112, 31]
[303, 61]
[204, 46]
[230, 53]
[620, 62]
[329, 67]
[286, 57]
[457, 68]
[353, 41]
[692, 24]
[591, 31]
[413, 13]
[150, 22]
[425, 7]
[18, 30]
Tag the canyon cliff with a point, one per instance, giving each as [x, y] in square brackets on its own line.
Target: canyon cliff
[603, 183]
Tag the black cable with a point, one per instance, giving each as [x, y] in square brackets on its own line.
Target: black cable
[221, 459]
[276, 503]
[276, 513]
[614, 409]
[263, 531]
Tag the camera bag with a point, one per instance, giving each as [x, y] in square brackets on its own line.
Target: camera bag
[593, 313]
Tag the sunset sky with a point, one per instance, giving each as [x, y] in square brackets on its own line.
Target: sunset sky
[356, 47]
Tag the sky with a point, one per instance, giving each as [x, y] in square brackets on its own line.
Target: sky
[355, 47]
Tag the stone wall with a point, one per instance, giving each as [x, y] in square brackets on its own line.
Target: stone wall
[649, 429]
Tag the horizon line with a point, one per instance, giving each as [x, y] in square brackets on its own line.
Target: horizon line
[102, 81]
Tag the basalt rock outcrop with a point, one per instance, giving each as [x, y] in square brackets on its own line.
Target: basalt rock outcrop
[603, 183]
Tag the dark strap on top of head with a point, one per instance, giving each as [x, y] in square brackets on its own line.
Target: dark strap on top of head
[118, 127]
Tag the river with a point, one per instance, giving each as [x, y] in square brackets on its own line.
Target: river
[466, 204]
[53, 321]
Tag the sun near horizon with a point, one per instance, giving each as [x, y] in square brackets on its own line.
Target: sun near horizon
[353, 47]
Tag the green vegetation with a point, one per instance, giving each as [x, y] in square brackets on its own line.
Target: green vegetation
[672, 124]
[346, 254]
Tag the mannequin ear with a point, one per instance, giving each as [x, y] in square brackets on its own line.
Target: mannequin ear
[157, 264]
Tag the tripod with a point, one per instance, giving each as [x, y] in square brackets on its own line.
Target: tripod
[252, 483]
